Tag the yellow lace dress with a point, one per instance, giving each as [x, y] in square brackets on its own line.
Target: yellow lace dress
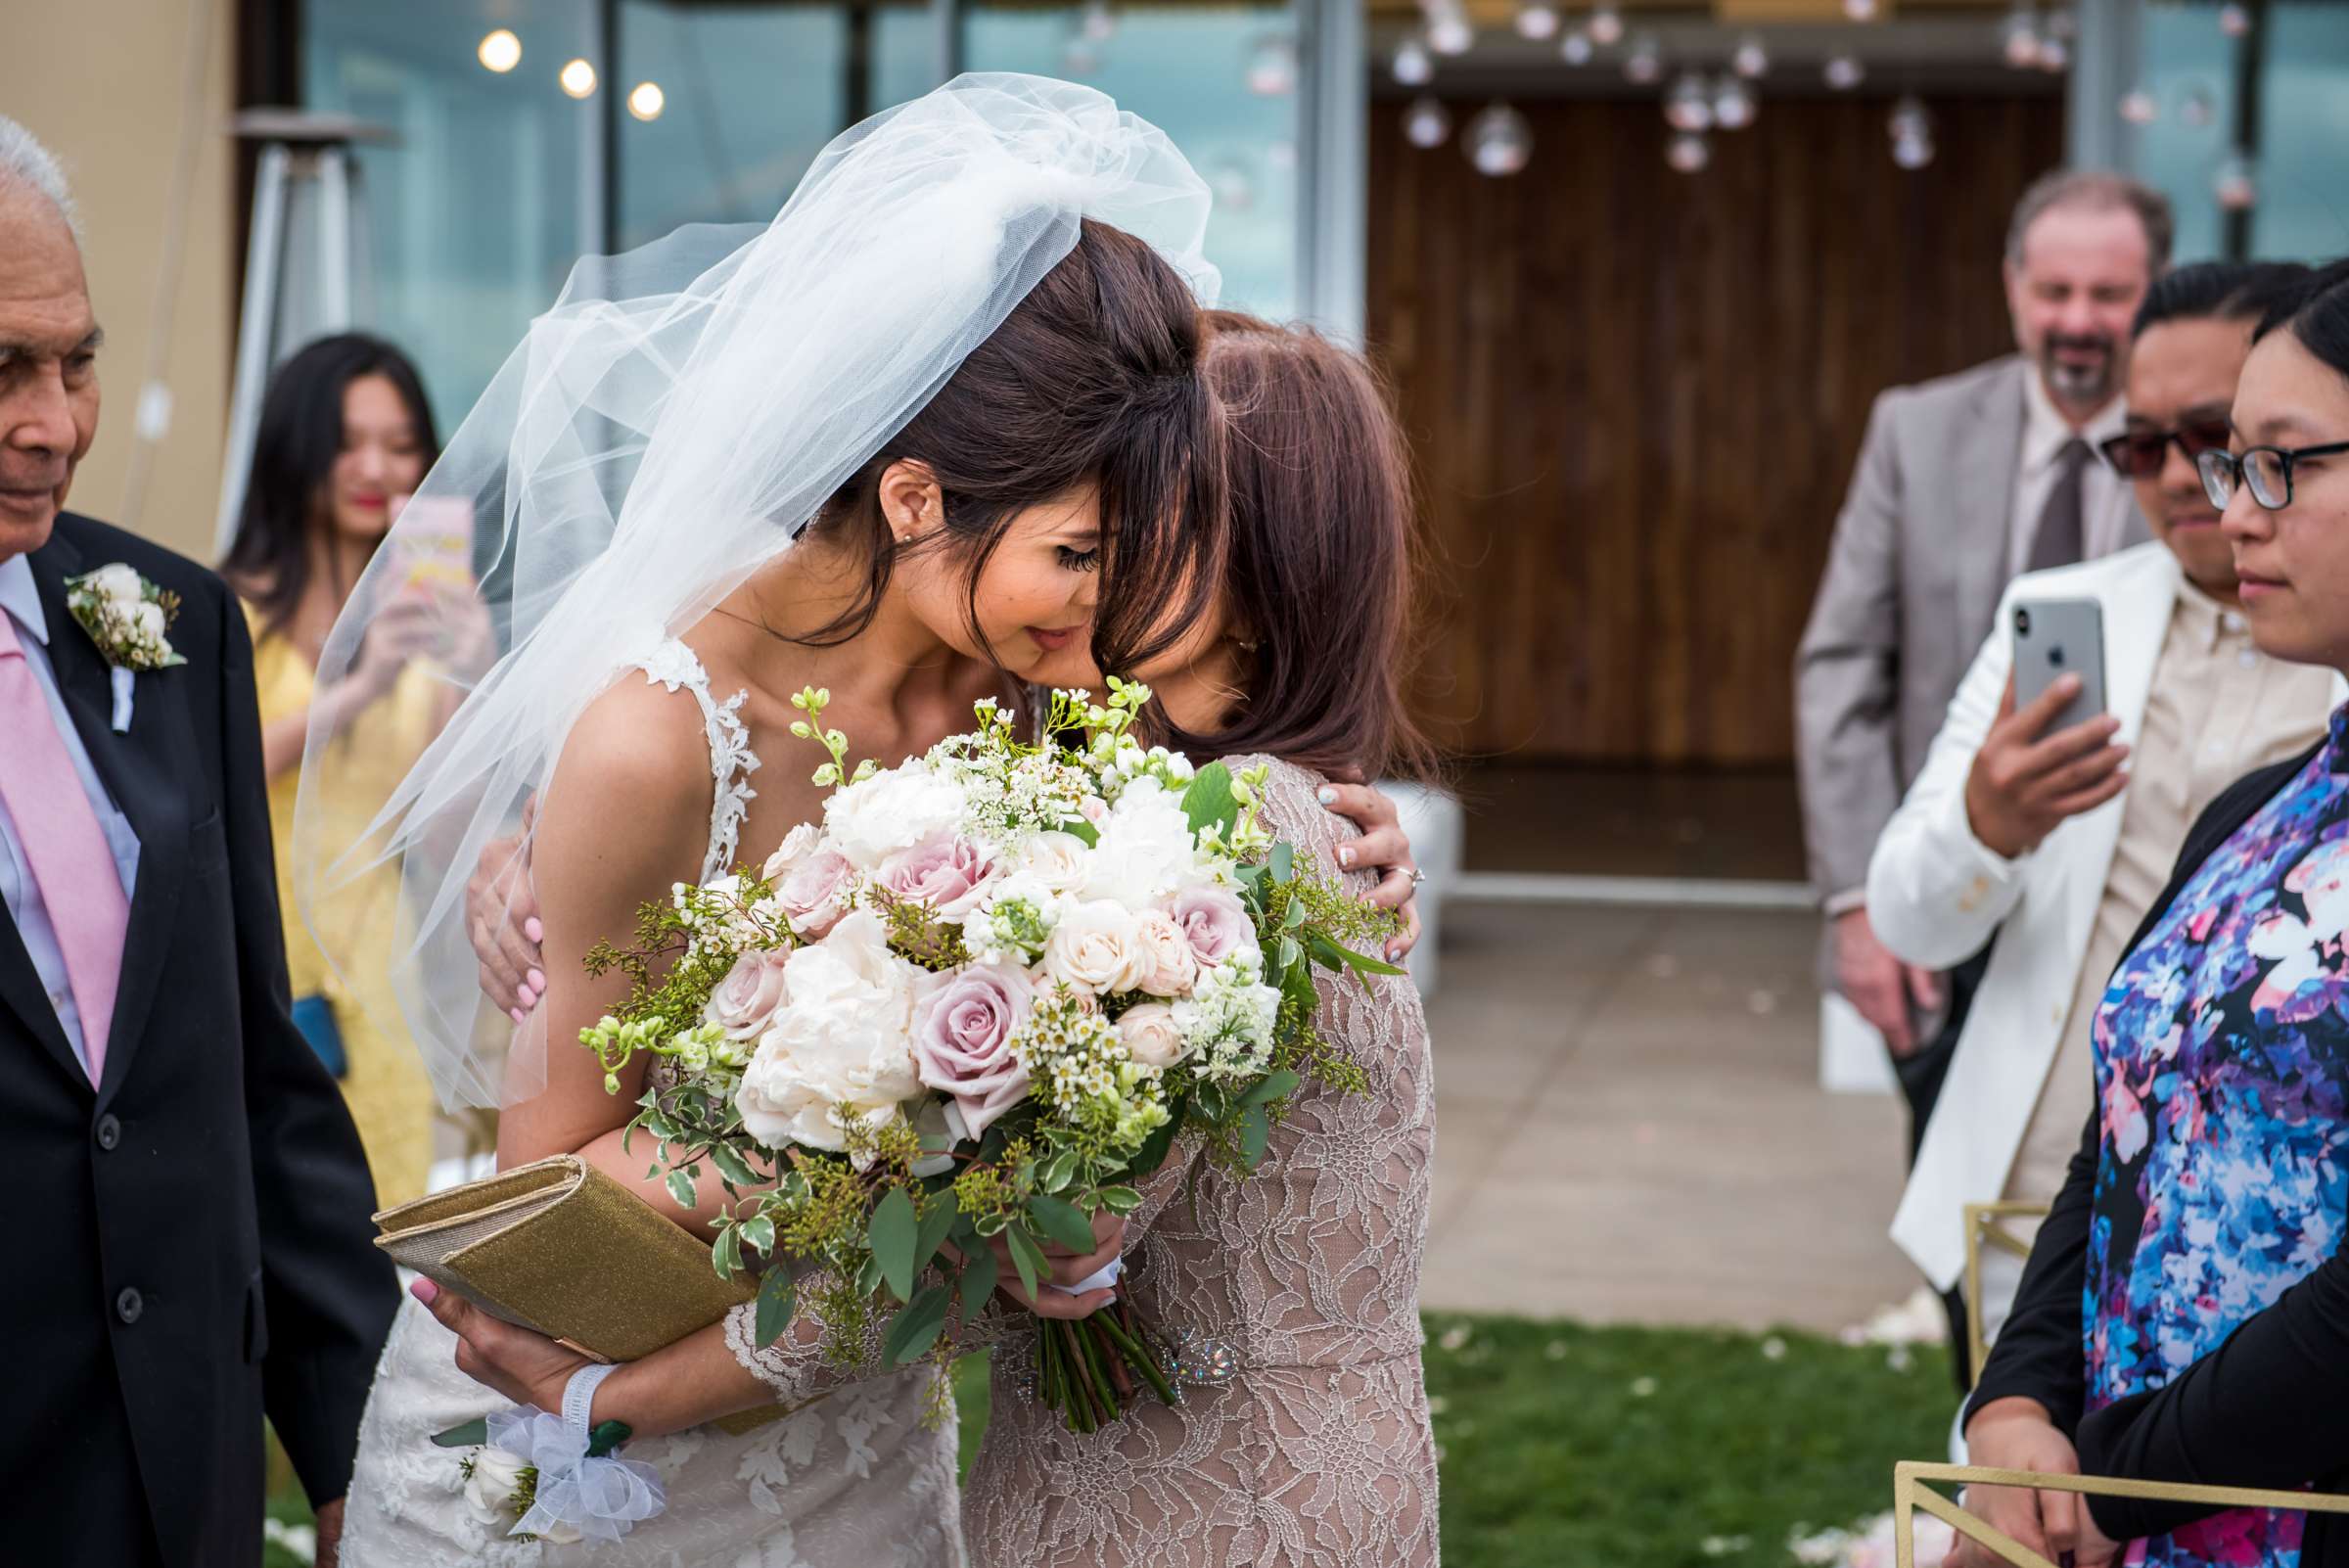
[390, 1097]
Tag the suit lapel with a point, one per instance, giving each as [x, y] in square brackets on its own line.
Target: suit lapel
[1990, 453]
[139, 771]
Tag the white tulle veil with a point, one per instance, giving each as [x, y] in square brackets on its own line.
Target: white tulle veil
[658, 436]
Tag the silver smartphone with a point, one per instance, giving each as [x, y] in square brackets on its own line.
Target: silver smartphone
[2056, 637]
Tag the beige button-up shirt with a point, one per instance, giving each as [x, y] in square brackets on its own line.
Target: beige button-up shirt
[2217, 709]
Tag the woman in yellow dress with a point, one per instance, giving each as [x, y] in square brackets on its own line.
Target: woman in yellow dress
[346, 436]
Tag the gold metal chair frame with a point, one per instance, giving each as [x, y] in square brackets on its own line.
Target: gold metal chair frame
[1986, 1226]
[1912, 1490]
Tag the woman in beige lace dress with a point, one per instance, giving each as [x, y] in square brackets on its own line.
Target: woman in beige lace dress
[1318, 1450]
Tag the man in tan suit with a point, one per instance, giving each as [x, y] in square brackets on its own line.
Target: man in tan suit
[1962, 484]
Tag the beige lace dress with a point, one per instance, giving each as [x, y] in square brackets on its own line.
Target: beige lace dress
[1318, 1452]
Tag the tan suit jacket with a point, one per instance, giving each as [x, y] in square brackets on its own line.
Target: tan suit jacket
[1914, 576]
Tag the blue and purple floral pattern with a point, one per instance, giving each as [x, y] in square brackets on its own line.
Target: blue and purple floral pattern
[2222, 1087]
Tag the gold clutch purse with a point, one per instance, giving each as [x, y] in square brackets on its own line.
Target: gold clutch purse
[561, 1249]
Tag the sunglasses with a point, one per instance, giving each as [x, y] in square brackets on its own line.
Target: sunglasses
[2139, 454]
[2266, 471]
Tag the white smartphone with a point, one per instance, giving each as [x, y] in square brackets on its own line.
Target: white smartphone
[2057, 637]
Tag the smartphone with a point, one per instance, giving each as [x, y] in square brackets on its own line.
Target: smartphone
[433, 545]
[2057, 637]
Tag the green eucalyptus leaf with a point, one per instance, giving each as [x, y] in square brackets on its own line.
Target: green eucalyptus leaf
[978, 1282]
[1256, 1129]
[1295, 917]
[868, 1277]
[893, 1234]
[1289, 953]
[1330, 955]
[936, 1223]
[777, 1295]
[1283, 862]
[1064, 1223]
[470, 1435]
[916, 1328]
[1274, 1086]
[1026, 1256]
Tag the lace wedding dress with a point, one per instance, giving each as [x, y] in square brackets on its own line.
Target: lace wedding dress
[1318, 1451]
[854, 1481]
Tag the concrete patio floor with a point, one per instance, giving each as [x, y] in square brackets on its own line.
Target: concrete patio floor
[1631, 1127]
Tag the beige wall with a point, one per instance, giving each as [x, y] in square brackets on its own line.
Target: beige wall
[103, 83]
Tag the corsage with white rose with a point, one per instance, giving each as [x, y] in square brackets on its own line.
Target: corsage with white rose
[555, 1477]
[128, 617]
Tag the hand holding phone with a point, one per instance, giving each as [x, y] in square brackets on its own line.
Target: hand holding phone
[2050, 754]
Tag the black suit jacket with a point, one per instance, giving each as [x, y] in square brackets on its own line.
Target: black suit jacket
[2261, 1410]
[188, 1242]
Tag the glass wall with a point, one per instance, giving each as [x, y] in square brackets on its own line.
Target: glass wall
[2297, 182]
[528, 132]
[1222, 80]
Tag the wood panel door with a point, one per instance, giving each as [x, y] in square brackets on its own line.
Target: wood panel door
[1635, 396]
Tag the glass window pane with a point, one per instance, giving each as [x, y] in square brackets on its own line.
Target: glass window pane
[475, 216]
[2303, 183]
[748, 96]
[2189, 68]
[1219, 79]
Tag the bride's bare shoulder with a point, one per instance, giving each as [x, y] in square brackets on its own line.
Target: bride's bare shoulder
[639, 753]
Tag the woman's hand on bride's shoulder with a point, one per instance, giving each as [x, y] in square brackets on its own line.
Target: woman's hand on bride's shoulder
[1384, 848]
[525, 1368]
[502, 918]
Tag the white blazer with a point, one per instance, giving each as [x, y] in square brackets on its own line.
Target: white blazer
[1936, 894]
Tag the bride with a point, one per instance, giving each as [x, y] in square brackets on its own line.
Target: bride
[960, 370]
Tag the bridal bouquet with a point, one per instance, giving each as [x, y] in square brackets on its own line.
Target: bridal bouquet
[979, 1001]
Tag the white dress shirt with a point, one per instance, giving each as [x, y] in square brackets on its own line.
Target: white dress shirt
[2105, 499]
[21, 602]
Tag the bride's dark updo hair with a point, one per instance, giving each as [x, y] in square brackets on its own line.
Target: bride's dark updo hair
[1093, 377]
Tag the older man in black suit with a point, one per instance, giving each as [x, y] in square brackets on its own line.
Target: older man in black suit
[189, 1245]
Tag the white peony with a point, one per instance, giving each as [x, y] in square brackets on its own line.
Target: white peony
[1097, 947]
[797, 846]
[871, 822]
[1149, 1032]
[1147, 852]
[839, 1046]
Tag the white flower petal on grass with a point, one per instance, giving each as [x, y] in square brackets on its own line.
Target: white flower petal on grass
[1643, 1388]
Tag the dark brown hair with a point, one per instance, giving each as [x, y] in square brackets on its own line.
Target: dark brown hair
[1093, 377]
[293, 451]
[1322, 561]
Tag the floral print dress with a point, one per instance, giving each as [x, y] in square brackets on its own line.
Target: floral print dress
[2222, 1091]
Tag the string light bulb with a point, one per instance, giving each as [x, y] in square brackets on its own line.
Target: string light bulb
[499, 51]
[576, 79]
[646, 100]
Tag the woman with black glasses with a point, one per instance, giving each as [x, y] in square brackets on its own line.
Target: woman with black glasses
[2186, 1311]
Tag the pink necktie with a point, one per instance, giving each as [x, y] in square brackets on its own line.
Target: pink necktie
[72, 865]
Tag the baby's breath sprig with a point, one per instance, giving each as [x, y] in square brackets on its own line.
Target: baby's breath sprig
[812, 701]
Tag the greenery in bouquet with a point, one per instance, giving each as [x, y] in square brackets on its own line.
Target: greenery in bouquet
[978, 1003]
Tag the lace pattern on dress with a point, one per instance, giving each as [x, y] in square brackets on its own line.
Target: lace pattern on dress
[731, 761]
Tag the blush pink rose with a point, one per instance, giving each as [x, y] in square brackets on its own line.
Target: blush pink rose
[944, 870]
[1174, 969]
[745, 998]
[815, 891]
[962, 1041]
[1215, 922]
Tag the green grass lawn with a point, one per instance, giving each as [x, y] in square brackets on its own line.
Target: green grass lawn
[1565, 1446]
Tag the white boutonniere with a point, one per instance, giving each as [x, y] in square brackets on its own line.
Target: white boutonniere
[127, 616]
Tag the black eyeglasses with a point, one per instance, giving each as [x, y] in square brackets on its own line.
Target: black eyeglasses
[2138, 454]
[2267, 469]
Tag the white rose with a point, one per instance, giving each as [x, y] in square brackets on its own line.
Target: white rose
[149, 621]
[1149, 1033]
[117, 582]
[1147, 852]
[1173, 969]
[489, 1490]
[839, 1046]
[1095, 948]
[1059, 860]
[871, 822]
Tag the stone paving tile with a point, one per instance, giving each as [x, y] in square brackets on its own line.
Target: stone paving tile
[1631, 1127]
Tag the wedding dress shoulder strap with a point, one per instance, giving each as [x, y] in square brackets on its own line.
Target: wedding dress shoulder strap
[731, 761]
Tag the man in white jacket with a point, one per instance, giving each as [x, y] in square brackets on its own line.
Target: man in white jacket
[2045, 841]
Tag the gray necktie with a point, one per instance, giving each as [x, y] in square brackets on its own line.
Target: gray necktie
[2061, 539]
